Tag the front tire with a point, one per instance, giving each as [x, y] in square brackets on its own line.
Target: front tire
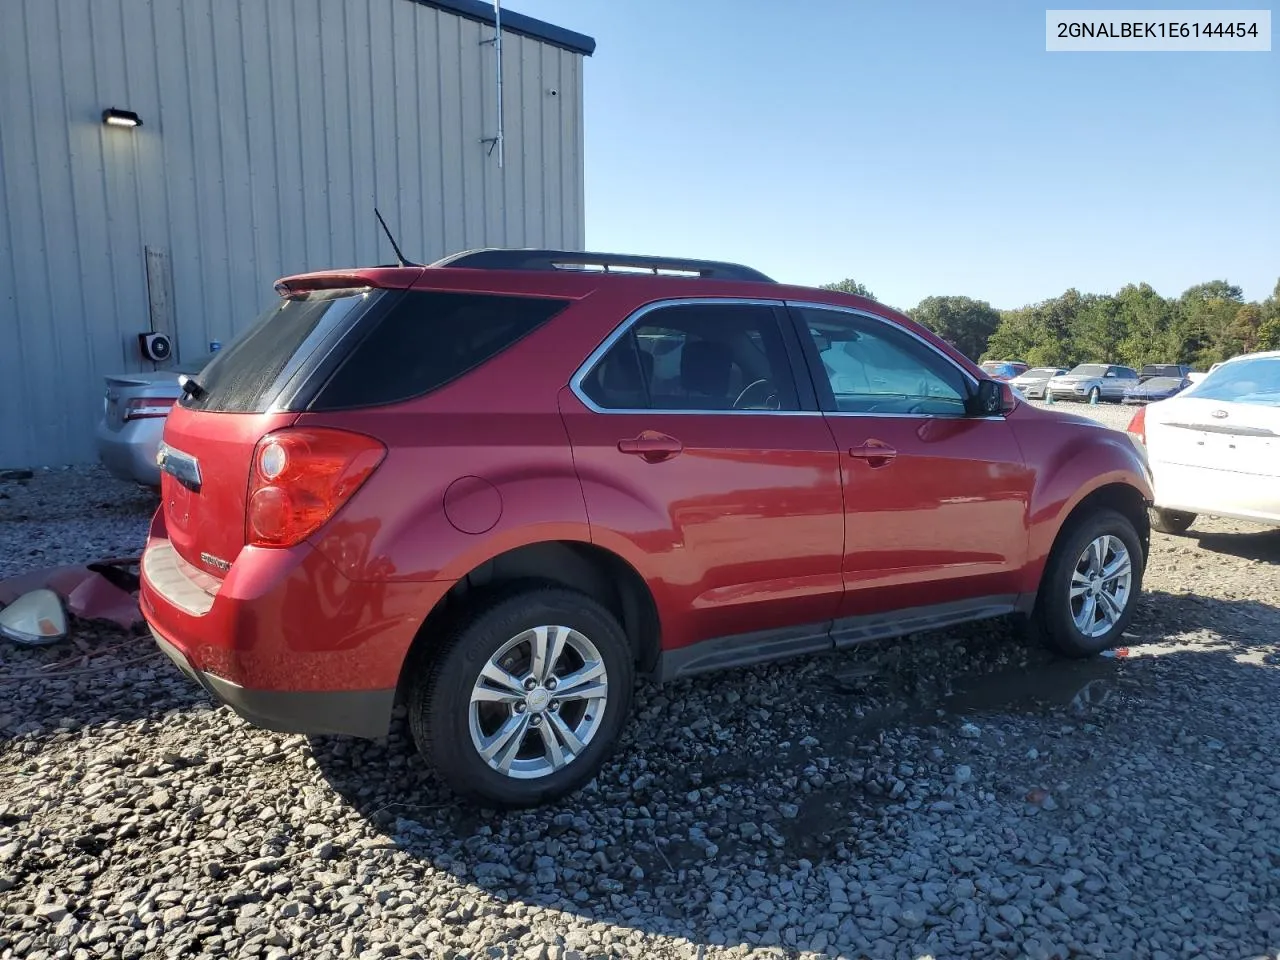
[1171, 521]
[1095, 395]
[524, 700]
[1090, 587]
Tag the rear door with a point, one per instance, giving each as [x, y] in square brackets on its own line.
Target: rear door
[935, 501]
[701, 451]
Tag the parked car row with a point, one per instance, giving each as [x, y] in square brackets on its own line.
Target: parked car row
[1095, 382]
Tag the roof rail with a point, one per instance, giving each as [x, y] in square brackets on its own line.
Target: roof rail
[507, 258]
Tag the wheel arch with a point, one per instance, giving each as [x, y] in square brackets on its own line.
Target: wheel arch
[590, 569]
[1124, 498]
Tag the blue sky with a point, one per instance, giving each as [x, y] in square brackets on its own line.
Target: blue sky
[924, 148]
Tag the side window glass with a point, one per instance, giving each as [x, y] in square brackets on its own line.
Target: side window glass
[697, 357]
[873, 367]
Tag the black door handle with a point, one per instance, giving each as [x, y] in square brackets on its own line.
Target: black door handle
[651, 446]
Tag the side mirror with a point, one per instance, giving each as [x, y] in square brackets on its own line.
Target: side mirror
[987, 400]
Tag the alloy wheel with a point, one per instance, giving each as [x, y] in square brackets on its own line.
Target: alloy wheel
[538, 702]
[1101, 585]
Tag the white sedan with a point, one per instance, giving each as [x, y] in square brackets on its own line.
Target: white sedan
[1215, 447]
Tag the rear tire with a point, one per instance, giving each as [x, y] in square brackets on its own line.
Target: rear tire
[1171, 521]
[485, 682]
[1090, 586]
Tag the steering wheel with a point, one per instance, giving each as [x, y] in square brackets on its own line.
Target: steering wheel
[751, 386]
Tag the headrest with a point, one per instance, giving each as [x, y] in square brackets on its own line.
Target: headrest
[706, 367]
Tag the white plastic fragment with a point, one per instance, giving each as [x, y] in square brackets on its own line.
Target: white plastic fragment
[34, 619]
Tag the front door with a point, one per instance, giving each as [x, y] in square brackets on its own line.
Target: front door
[699, 462]
[935, 500]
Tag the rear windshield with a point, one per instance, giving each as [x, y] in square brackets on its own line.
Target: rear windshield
[249, 373]
[1254, 381]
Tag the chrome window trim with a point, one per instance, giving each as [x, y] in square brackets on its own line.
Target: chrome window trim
[596, 355]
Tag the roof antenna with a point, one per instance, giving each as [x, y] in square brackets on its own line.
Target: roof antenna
[394, 246]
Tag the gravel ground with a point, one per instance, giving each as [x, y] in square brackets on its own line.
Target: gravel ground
[1115, 415]
[956, 795]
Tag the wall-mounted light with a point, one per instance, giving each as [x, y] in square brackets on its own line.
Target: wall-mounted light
[120, 118]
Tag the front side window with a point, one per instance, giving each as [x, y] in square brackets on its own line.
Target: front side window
[703, 357]
[873, 367]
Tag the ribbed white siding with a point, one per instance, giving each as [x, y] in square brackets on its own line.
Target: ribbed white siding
[270, 129]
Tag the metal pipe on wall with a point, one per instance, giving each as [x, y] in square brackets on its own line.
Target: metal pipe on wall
[497, 49]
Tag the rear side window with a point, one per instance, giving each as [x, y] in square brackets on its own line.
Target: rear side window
[250, 372]
[697, 357]
[427, 339]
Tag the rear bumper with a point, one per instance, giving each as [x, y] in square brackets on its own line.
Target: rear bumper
[354, 713]
[130, 452]
[1217, 493]
[284, 639]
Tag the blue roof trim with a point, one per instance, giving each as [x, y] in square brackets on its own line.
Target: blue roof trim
[518, 23]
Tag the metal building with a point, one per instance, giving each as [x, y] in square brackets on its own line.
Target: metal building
[269, 130]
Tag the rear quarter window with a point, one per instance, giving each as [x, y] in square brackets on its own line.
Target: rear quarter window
[428, 339]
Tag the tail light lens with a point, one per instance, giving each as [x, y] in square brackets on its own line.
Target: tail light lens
[300, 477]
[1138, 425]
[144, 408]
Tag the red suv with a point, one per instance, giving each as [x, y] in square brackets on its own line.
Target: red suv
[499, 487]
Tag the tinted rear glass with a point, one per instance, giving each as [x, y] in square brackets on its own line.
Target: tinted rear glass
[248, 374]
[427, 339]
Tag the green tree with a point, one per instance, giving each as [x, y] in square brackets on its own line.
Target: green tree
[849, 285]
[1206, 322]
[1243, 334]
[1269, 328]
[1148, 320]
[1098, 327]
[1040, 333]
[964, 323]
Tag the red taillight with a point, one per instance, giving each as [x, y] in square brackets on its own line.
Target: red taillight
[1138, 425]
[298, 479]
[143, 408]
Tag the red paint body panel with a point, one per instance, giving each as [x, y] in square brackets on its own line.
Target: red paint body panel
[288, 620]
[944, 520]
[758, 522]
[211, 520]
[743, 530]
[1075, 457]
